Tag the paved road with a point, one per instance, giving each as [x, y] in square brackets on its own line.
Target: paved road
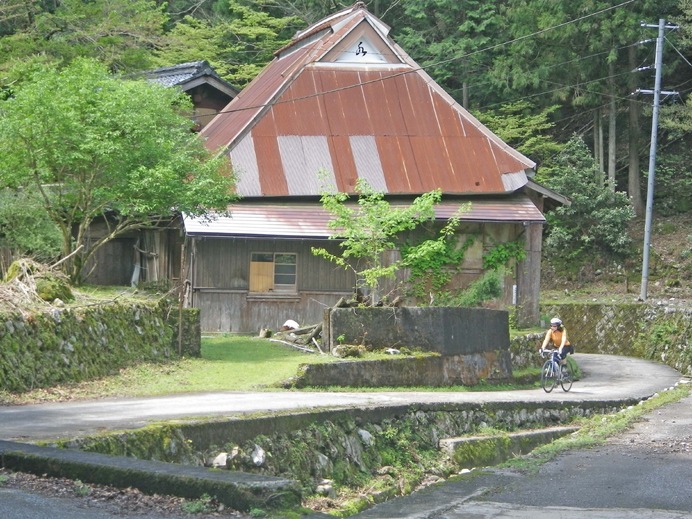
[605, 378]
[643, 473]
[626, 479]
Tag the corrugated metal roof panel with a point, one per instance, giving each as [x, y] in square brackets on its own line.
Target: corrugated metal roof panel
[405, 134]
[307, 164]
[368, 165]
[310, 220]
[244, 163]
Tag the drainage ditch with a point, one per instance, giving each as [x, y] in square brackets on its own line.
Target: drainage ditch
[392, 450]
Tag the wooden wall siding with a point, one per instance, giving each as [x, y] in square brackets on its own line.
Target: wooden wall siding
[225, 263]
[221, 272]
[232, 311]
[112, 264]
[6, 259]
[220, 284]
[487, 236]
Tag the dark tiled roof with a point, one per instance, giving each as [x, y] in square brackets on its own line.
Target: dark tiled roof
[185, 74]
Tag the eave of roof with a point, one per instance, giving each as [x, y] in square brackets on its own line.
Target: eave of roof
[311, 220]
[548, 193]
[190, 75]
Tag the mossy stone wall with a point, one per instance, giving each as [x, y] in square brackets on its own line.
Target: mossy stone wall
[345, 446]
[71, 345]
[654, 332]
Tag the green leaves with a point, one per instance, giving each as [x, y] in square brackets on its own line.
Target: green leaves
[596, 221]
[120, 33]
[92, 143]
[370, 229]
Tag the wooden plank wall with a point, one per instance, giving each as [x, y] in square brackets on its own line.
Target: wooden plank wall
[220, 283]
[220, 274]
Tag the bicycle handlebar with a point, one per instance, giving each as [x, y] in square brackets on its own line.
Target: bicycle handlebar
[544, 352]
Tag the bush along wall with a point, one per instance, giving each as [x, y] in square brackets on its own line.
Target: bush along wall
[653, 332]
[71, 345]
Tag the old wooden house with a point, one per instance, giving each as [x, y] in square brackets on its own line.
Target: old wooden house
[344, 102]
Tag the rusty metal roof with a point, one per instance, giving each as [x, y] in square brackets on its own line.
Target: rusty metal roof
[343, 102]
[310, 220]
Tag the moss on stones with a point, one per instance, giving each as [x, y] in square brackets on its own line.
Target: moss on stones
[71, 345]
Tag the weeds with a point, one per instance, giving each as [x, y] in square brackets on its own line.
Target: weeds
[81, 489]
[199, 506]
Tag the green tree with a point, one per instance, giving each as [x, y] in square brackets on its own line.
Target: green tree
[581, 55]
[25, 228]
[446, 37]
[120, 33]
[525, 129]
[595, 223]
[369, 229]
[99, 147]
[238, 43]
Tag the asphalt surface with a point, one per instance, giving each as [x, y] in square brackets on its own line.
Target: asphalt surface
[644, 473]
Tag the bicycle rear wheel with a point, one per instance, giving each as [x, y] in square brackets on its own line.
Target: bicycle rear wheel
[548, 376]
[567, 377]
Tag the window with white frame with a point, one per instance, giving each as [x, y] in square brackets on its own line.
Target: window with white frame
[273, 272]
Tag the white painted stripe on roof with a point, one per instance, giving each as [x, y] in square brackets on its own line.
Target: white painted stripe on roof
[367, 160]
[244, 162]
[307, 164]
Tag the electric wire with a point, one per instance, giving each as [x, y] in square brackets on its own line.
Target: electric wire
[430, 65]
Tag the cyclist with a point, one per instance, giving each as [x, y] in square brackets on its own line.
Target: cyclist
[557, 336]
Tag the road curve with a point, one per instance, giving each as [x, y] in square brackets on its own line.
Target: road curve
[605, 378]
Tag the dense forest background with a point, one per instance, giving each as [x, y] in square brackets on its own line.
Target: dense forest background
[556, 79]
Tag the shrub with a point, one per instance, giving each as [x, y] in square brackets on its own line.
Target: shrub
[595, 223]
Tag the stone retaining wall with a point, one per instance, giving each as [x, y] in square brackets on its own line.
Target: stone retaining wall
[339, 445]
[655, 332]
[70, 345]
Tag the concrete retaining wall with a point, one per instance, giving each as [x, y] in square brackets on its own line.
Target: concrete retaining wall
[448, 331]
[467, 345]
[427, 371]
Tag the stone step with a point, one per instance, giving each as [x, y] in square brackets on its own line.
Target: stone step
[238, 490]
[484, 451]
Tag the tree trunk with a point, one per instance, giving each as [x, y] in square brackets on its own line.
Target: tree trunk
[633, 177]
[598, 143]
[612, 135]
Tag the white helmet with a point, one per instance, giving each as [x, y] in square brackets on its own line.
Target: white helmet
[555, 320]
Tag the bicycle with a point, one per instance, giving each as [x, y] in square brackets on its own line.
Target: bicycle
[554, 372]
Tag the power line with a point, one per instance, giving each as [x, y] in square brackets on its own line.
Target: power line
[421, 68]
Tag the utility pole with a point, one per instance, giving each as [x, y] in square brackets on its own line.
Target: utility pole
[652, 152]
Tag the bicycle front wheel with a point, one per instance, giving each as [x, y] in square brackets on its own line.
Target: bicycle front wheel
[567, 377]
[548, 376]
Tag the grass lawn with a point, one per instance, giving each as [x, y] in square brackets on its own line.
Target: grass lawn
[227, 364]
